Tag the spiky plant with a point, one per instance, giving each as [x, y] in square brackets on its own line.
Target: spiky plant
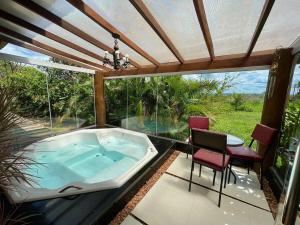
[13, 160]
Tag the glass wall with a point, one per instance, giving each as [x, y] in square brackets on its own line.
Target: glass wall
[161, 105]
[47, 100]
[290, 131]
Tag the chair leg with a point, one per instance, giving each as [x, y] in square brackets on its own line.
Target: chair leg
[261, 176]
[214, 177]
[248, 169]
[191, 176]
[200, 169]
[229, 173]
[187, 151]
[226, 171]
[220, 193]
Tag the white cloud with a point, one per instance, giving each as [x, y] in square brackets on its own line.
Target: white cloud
[251, 82]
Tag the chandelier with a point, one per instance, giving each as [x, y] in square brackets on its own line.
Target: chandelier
[118, 62]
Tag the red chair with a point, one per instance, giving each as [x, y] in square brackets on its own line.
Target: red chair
[197, 122]
[264, 135]
[212, 154]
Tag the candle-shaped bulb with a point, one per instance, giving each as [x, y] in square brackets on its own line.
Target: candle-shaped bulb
[106, 54]
[118, 54]
[127, 58]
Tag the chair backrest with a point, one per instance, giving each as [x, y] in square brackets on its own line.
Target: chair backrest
[199, 122]
[263, 134]
[210, 140]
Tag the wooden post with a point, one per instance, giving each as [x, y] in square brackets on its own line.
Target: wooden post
[276, 96]
[2, 44]
[99, 99]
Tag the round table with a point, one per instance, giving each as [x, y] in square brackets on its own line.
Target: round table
[234, 141]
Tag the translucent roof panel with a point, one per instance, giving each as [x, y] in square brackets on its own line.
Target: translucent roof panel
[128, 20]
[181, 25]
[232, 24]
[39, 21]
[46, 41]
[282, 26]
[67, 12]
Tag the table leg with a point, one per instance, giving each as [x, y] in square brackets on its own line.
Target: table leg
[233, 174]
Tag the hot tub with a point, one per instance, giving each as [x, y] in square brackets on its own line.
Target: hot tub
[83, 161]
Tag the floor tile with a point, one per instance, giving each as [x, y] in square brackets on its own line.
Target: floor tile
[169, 202]
[129, 220]
[247, 187]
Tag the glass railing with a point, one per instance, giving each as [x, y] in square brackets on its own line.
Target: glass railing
[161, 105]
[47, 100]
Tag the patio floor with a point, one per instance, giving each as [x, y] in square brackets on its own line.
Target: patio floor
[169, 202]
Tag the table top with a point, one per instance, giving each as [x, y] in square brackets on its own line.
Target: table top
[231, 140]
[234, 140]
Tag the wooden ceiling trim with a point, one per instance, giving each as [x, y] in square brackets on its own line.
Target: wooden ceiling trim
[48, 34]
[200, 11]
[49, 48]
[92, 14]
[256, 60]
[147, 15]
[261, 22]
[45, 52]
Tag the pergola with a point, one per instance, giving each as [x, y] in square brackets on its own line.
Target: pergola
[161, 36]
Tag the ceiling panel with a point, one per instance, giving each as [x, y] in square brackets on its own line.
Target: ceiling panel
[232, 24]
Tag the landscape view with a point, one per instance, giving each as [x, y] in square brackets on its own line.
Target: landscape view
[60, 100]
[233, 101]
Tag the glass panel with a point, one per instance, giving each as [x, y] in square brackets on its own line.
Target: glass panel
[28, 87]
[62, 97]
[84, 99]
[71, 97]
[232, 24]
[67, 12]
[282, 26]
[171, 108]
[161, 105]
[141, 105]
[189, 38]
[116, 100]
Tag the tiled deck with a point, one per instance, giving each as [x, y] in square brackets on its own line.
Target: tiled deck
[169, 202]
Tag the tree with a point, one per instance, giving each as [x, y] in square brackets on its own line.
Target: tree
[237, 101]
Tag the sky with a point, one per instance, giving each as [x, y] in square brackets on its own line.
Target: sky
[248, 82]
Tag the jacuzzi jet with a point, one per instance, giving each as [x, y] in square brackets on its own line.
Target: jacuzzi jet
[97, 155]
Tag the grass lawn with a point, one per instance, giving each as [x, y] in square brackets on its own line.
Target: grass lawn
[239, 123]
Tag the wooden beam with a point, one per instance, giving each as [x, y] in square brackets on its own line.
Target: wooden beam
[92, 14]
[222, 62]
[147, 15]
[276, 96]
[200, 11]
[49, 48]
[99, 99]
[45, 52]
[48, 34]
[36, 8]
[261, 22]
[2, 44]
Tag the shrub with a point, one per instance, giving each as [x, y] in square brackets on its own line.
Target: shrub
[238, 102]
